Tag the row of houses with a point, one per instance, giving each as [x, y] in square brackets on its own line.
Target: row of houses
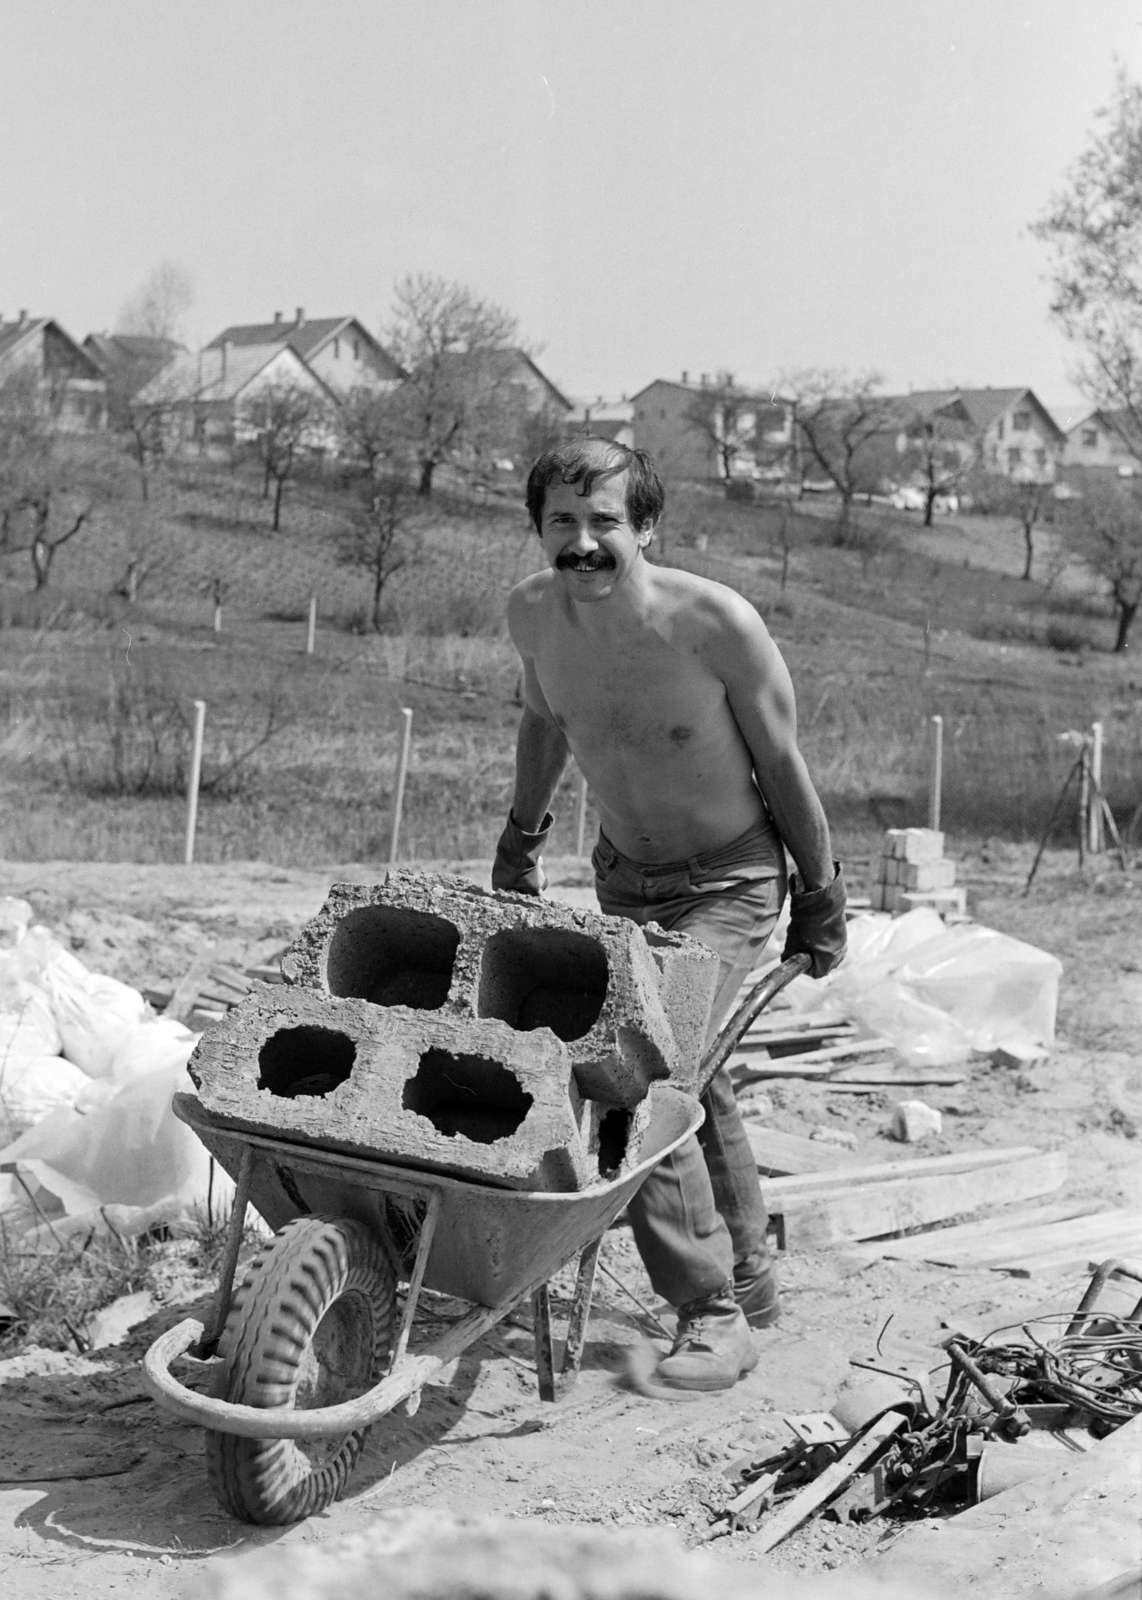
[686, 424]
[110, 378]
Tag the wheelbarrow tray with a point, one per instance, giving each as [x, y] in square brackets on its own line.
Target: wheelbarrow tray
[488, 1245]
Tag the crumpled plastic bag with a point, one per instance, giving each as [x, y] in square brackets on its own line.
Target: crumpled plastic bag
[95, 1014]
[15, 915]
[938, 993]
[124, 1166]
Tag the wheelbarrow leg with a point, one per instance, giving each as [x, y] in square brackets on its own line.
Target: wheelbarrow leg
[237, 1227]
[551, 1387]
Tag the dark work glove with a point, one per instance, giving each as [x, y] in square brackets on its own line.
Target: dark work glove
[817, 923]
[519, 864]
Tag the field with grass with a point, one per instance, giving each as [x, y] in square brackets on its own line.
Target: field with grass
[96, 692]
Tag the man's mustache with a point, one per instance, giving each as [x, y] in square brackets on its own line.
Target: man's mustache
[597, 560]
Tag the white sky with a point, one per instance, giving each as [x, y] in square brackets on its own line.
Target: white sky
[650, 185]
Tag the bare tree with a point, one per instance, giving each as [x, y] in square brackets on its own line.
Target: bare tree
[284, 420]
[1094, 228]
[725, 416]
[1103, 528]
[381, 536]
[1030, 501]
[939, 450]
[160, 303]
[841, 424]
[456, 393]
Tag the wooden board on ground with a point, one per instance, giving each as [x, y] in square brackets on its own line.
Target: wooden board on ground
[778, 1154]
[807, 1064]
[874, 1172]
[944, 1246]
[181, 1002]
[813, 1218]
[772, 1038]
[1055, 1537]
[868, 1074]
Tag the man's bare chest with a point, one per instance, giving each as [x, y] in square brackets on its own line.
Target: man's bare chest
[641, 695]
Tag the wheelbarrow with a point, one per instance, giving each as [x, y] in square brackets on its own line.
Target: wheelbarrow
[310, 1351]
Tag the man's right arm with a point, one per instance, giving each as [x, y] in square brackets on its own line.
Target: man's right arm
[541, 757]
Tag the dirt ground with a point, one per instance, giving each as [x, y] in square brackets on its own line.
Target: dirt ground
[100, 1491]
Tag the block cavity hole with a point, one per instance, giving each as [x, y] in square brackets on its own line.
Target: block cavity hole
[305, 1060]
[544, 978]
[392, 957]
[614, 1135]
[468, 1095]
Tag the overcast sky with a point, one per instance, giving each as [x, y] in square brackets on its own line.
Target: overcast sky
[650, 185]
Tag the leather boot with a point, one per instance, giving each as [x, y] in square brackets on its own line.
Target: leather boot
[755, 1290]
[712, 1348]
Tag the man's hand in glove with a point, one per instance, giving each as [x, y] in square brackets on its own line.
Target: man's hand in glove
[817, 923]
[518, 866]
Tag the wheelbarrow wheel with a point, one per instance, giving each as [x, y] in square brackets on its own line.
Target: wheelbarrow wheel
[312, 1325]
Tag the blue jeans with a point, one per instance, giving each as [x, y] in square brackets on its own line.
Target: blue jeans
[700, 1211]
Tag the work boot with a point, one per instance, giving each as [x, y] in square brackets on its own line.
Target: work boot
[712, 1348]
[755, 1290]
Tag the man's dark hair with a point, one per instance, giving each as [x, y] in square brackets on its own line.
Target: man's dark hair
[585, 461]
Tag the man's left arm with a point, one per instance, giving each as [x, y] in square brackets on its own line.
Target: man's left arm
[761, 697]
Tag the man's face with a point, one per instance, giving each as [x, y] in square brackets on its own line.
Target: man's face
[588, 538]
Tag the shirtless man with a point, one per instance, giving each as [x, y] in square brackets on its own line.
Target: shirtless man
[679, 711]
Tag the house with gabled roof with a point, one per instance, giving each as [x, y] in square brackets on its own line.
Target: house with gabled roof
[204, 401]
[129, 361]
[1013, 433]
[1105, 440]
[756, 426]
[70, 382]
[340, 350]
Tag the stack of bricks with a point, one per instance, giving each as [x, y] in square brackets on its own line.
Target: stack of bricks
[913, 872]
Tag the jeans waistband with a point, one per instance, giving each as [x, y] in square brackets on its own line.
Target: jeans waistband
[757, 842]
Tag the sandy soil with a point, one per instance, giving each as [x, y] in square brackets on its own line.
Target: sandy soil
[99, 1490]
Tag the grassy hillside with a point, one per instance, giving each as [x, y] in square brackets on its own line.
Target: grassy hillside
[300, 750]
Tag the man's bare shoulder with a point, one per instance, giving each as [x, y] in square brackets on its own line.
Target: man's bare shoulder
[528, 602]
[705, 604]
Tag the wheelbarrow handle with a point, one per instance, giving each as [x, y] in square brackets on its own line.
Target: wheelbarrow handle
[747, 1013]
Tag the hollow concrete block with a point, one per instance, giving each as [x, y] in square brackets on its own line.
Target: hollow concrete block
[476, 1099]
[631, 1004]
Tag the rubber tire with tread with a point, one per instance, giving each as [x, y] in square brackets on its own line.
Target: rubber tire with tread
[313, 1265]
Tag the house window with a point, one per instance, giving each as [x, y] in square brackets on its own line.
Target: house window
[1014, 458]
[336, 349]
[1090, 438]
[356, 349]
[662, 415]
[1040, 458]
[1020, 422]
[999, 429]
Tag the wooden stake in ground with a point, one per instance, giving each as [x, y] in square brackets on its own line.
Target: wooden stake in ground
[311, 630]
[194, 780]
[402, 774]
[1095, 796]
[936, 773]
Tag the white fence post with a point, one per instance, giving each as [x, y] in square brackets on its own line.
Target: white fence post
[311, 631]
[1094, 804]
[402, 773]
[193, 782]
[936, 772]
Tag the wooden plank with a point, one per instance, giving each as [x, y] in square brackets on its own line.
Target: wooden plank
[1047, 1239]
[877, 1077]
[808, 1064]
[793, 1513]
[751, 1042]
[1079, 1256]
[786, 1019]
[779, 1153]
[814, 1220]
[1056, 1536]
[181, 1002]
[962, 1161]
[941, 1246]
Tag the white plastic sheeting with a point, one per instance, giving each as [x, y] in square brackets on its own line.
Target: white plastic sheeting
[940, 994]
[87, 1073]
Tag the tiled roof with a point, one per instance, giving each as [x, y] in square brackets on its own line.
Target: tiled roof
[189, 377]
[503, 362]
[305, 337]
[11, 333]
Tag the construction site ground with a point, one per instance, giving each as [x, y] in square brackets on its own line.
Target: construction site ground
[142, 1514]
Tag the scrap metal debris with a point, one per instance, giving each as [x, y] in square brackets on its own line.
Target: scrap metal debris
[894, 1445]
